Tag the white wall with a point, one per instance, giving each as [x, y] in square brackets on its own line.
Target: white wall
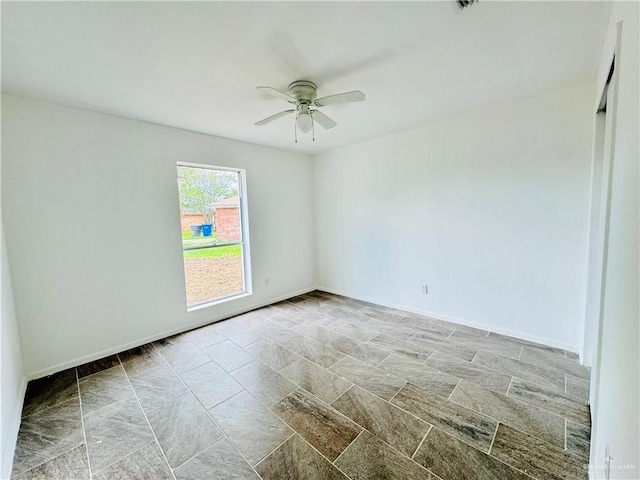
[615, 382]
[13, 382]
[490, 209]
[90, 206]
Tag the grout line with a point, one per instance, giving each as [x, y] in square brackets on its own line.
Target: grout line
[454, 389]
[421, 442]
[565, 383]
[279, 445]
[495, 434]
[394, 395]
[145, 417]
[84, 431]
[351, 443]
[565, 432]
[506, 394]
[340, 396]
[520, 354]
[474, 357]
[330, 462]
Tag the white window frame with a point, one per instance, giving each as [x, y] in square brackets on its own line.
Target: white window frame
[244, 237]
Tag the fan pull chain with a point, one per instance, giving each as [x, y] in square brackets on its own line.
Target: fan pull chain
[295, 131]
[313, 129]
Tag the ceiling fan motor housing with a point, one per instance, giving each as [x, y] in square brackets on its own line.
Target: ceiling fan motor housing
[303, 90]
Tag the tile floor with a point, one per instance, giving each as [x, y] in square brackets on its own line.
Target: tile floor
[316, 387]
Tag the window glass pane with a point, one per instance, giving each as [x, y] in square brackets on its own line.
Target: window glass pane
[213, 273]
[211, 222]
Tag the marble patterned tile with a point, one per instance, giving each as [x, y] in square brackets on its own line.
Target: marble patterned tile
[72, 465]
[451, 458]
[183, 428]
[463, 423]
[97, 366]
[263, 382]
[414, 371]
[577, 387]
[114, 432]
[382, 315]
[146, 463]
[399, 429]
[205, 336]
[48, 391]
[313, 351]
[397, 331]
[348, 316]
[104, 388]
[314, 304]
[506, 349]
[528, 418]
[221, 458]
[369, 458]
[428, 342]
[315, 332]
[361, 351]
[228, 355]
[322, 319]
[272, 354]
[400, 347]
[427, 327]
[253, 428]
[48, 434]
[319, 424]
[349, 304]
[550, 400]
[551, 360]
[157, 386]
[275, 332]
[464, 328]
[295, 459]
[532, 373]
[287, 320]
[537, 457]
[237, 333]
[525, 343]
[140, 359]
[490, 379]
[211, 384]
[579, 439]
[182, 354]
[370, 378]
[353, 330]
[318, 381]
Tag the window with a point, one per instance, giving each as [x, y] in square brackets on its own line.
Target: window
[214, 233]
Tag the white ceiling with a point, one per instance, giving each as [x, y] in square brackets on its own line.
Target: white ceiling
[195, 65]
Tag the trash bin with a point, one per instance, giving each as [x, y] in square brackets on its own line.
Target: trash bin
[196, 230]
[206, 229]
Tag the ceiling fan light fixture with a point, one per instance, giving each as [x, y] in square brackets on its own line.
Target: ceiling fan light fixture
[304, 122]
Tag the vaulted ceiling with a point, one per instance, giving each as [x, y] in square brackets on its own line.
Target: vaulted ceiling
[195, 65]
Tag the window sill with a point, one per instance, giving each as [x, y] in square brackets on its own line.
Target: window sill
[212, 303]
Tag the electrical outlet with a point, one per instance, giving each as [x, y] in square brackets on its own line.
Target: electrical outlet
[425, 289]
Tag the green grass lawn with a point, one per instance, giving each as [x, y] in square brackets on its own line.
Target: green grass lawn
[231, 250]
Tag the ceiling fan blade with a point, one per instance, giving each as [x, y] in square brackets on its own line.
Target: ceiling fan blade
[277, 93]
[347, 97]
[322, 119]
[270, 119]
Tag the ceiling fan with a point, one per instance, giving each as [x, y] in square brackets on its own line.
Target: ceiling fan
[303, 94]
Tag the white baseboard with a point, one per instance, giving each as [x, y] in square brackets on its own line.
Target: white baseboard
[447, 318]
[158, 336]
[16, 418]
